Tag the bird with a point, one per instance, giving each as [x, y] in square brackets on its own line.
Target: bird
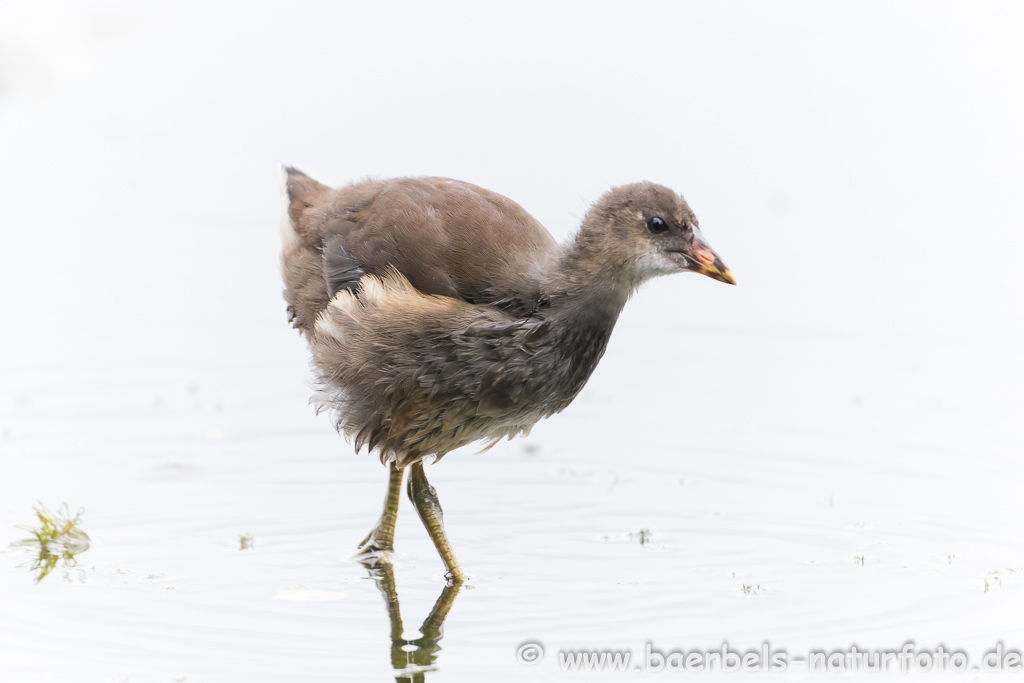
[439, 313]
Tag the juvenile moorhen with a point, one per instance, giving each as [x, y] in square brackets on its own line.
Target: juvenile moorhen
[439, 313]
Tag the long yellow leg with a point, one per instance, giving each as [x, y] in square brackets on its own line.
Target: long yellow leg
[424, 497]
[382, 537]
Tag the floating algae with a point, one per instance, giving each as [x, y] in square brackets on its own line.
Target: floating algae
[56, 540]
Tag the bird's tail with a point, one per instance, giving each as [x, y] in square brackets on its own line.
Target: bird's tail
[304, 202]
[299, 193]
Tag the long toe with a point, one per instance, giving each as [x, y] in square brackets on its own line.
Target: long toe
[372, 555]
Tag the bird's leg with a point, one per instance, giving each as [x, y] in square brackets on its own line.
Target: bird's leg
[384, 576]
[424, 497]
[429, 643]
[410, 663]
[382, 537]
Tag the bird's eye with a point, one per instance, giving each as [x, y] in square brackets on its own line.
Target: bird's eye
[656, 224]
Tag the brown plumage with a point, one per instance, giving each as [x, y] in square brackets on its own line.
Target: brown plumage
[439, 313]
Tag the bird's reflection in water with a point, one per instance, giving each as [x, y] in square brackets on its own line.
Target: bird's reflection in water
[411, 659]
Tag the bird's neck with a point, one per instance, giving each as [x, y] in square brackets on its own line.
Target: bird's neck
[582, 302]
[586, 287]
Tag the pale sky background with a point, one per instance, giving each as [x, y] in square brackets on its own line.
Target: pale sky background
[858, 165]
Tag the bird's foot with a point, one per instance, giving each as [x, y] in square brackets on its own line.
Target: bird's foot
[373, 561]
[374, 549]
[456, 578]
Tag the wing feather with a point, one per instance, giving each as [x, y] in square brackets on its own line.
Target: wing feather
[445, 237]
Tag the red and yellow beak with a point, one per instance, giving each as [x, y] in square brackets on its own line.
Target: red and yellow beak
[701, 258]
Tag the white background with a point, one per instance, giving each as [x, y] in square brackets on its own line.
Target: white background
[859, 166]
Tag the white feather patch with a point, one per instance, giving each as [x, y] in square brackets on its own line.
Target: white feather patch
[372, 290]
[345, 302]
[326, 326]
[653, 263]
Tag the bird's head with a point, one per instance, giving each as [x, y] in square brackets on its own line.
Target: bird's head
[649, 230]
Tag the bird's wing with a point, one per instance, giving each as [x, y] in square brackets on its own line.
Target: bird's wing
[446, 237]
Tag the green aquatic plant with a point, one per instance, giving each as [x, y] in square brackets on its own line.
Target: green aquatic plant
[56, 540]
[644, 535]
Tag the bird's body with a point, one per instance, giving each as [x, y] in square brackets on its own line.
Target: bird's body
[439, 313]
